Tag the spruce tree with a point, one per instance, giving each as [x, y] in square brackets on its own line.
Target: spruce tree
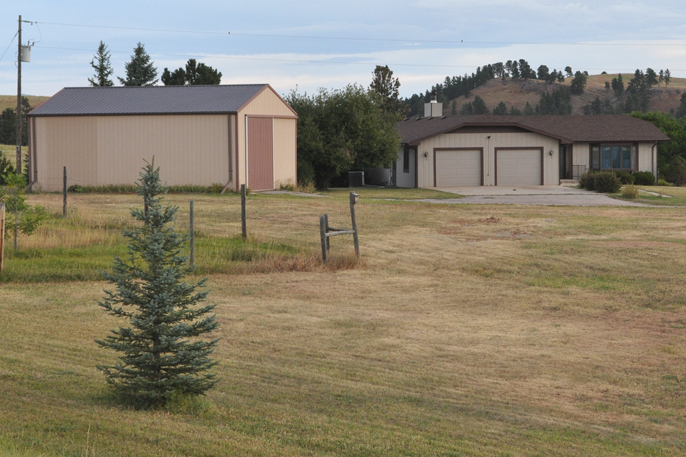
[103, 68]
[140, 71]
[160, 352]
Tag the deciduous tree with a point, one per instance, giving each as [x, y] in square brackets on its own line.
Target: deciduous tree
[22, 217]
[342, 130]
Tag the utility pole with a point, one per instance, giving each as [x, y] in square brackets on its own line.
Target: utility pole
[20, 56]
[19, 101]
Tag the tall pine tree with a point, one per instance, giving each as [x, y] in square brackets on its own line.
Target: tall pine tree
[140, 71]
[102, 66]
[160, 352]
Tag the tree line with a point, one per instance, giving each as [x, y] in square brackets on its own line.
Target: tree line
[140, 70]
[456, 86]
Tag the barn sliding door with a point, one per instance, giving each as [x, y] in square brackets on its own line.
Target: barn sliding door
[260, 153]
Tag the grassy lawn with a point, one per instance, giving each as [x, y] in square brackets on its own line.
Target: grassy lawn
[463, 331]
[390, 193]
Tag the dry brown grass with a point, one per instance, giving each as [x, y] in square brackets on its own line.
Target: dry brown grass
[465, 330]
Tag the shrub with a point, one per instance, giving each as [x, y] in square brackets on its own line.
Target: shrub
[607, 182]
[5, 168]
[676, 171]
[663, 182]
[587, 180]
[630, 191]
[625, 177]
[644, 178]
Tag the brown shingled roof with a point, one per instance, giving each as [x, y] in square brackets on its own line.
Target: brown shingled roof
[567, 129]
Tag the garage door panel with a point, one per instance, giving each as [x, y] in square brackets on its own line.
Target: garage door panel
[519, 167]
[458, 168]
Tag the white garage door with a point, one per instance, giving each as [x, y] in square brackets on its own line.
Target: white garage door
[521, 167]
[458, 168]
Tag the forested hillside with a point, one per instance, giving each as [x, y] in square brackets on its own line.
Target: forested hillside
[515, 88]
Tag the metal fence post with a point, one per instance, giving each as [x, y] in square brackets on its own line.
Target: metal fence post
[322, 234]
[244, 228]
[64, 193]
[2, 234]
[354, 198]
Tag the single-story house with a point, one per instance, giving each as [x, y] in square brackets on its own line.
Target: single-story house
[199, 135]
[486, 150]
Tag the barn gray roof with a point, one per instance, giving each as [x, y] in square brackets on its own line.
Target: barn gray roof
[567, 129]
[122, 100]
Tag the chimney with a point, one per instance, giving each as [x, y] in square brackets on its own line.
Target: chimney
[433, 109]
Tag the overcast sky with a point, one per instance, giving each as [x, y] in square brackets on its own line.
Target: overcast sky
[305, 45]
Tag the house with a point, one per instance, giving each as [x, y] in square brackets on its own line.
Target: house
[485, 150]
[199, 135]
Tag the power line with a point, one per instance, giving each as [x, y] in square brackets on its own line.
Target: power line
[392, 40]
[8, 46]
[326, 62]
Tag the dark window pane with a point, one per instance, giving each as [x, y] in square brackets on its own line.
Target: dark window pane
[626, 157]
[607, 158]
[616, 157]
[595, 155]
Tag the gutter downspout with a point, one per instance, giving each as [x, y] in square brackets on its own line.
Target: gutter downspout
[230, 162]
[32, 170]
[652, 160]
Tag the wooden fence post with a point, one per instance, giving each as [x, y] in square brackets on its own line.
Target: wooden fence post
[64, 193]
[244, 227]
[322, 234]
[2, 234]
[354, 199]
[192, 236]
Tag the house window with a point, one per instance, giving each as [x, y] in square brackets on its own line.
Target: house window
[406, 160]
[614, 157]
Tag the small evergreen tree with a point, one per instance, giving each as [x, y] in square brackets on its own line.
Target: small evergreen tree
[103, 68]
[500, 109]
[479, 106]
[140, 71]
[159, 358]
[578, 83]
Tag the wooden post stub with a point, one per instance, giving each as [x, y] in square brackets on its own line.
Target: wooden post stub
[326, 230]
[192, 236]
[322, 234]
[64, 193]
[2, 234]
[354, 198]
[244, 227]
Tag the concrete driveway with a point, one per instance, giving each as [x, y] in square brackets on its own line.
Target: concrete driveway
[534, 195]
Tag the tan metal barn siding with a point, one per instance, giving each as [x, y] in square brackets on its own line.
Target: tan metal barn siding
[99, 150]
[269, 102]
[261, 153]
[285, 138]
[189, 149]
[70, 141]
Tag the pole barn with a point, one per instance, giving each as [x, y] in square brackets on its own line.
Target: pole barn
[199, 135]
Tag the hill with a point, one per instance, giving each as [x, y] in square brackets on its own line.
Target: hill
[517, 92]
[10, 101]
